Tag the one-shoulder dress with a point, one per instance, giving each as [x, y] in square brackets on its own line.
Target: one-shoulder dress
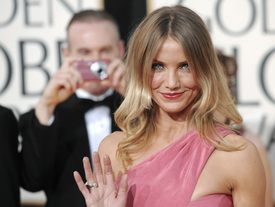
[168, 178]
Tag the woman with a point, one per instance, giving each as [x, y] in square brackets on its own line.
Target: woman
[172, 148]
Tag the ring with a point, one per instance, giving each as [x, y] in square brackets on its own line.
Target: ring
[92, 186]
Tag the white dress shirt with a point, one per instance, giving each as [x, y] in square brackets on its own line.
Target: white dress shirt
[98, 119]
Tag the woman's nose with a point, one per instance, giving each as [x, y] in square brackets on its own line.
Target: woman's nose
[172, 80]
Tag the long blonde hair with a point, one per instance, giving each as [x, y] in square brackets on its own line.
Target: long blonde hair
[136, 115]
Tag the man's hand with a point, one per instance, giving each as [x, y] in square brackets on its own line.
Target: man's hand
[115, 71]
[61, 85]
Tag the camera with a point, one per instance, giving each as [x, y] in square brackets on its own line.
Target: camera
[92, 70]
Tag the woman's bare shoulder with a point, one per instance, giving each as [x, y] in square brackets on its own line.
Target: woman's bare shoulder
[110, 143]
[237, 140]
[255, 139]
[113, 138]
[247, 149]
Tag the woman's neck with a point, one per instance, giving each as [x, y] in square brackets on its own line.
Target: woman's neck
[170, 127]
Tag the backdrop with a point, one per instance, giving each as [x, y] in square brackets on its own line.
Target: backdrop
[32, 33]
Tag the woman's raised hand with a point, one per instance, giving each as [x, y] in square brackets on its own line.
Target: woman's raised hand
[100, 193]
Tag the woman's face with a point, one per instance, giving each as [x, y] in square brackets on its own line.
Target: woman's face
[173, 85]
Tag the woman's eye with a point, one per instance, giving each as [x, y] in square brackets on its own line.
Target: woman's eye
[185, 66]
[157, 66]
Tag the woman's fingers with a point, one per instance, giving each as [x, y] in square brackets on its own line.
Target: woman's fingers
[88, 171]
[105, 193]
[124, 182]
[122, 191]
[108, 170]
[97, 168]
[81, 186]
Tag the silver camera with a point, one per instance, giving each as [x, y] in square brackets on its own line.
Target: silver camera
[92, 70]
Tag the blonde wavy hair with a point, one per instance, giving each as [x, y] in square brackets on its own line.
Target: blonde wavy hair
[136, 115]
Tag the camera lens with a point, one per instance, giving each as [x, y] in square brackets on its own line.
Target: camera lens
[99, 68]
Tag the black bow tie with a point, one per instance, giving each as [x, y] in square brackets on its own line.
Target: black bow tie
[112, 102]
[87, 104]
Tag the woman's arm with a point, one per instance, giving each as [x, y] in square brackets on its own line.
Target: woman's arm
[267, 166]
[247, 177]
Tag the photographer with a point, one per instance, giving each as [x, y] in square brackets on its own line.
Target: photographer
[74, 114]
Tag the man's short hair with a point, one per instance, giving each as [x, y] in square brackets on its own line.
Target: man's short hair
[90, 16]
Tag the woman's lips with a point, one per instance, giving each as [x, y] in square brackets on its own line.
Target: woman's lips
[171, 96]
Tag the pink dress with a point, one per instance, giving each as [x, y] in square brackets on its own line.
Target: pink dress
[168, 178]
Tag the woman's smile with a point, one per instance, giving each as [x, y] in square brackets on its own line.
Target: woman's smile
[172, 96]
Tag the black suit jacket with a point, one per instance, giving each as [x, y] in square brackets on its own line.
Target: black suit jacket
[9, 165]
[51, 154]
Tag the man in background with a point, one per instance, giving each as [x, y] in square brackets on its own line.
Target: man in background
[73, 115]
